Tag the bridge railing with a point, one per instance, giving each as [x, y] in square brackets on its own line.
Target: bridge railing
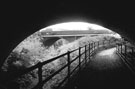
[84, 54]
[127, 53]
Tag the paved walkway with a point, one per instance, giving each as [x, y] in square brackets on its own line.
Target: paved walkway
[105, 71]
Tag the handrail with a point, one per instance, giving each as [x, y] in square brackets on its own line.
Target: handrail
[25, 71]
[126, 52]
[89, 48]
[122, 48]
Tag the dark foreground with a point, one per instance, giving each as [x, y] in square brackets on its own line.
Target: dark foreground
[105, 71]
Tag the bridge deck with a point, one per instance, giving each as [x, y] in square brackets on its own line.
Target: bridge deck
[105, 71]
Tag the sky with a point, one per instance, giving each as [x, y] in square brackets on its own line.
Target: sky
[75, 26]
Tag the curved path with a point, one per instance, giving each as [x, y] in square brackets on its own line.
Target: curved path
[105, 71]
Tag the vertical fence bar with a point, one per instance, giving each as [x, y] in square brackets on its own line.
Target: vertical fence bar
[103, 42]
[118, 48]
[121, 48]
[125, 51]
[132, 51]
[89, 51]
[133, 55]
[98, 44]
[85, 55]
[93, 46]
[68, 57]
[40, 76]
[79, 59]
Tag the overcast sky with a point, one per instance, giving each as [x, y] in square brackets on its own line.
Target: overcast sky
[74, 26]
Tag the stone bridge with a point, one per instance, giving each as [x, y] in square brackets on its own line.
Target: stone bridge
[51, 39]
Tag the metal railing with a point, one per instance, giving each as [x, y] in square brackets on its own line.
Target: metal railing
[86, 51]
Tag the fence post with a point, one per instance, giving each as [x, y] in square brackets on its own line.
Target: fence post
[118, 48]
[89, 51]
[125, 51]
[40, 76]
[93, 46]
[98, 44]
[68, 57]
[85, 55]
[121, 48]
[133, 55]
[79, 59]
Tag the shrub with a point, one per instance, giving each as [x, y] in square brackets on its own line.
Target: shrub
[31, 51]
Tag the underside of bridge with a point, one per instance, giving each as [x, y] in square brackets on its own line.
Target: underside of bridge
[21, 19]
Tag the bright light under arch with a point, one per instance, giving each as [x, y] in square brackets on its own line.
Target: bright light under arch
[75, 26]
